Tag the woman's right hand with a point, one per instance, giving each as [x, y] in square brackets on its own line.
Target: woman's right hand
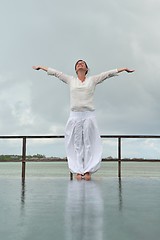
[36, 67]
[40, 67]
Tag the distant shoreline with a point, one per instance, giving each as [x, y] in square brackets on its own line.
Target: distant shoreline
[58, 159]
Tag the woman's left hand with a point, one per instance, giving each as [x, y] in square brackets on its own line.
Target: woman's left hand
[129, 70]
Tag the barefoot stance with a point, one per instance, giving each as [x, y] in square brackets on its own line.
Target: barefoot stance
[78, 176]
[87, 176]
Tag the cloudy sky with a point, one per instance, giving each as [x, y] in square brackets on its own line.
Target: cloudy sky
[107, 34]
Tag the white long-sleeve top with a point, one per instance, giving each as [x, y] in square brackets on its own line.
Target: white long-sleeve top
[81, 93]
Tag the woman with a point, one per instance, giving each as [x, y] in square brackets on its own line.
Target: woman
[82, 138]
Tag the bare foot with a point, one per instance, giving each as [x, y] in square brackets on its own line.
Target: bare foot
[78, 176]
[87, 176]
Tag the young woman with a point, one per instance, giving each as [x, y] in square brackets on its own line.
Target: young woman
[82, 138]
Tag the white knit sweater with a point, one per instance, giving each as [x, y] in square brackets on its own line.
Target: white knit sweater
[81, 93]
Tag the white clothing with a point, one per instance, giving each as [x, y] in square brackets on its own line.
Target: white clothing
[81, 93]
[82, 138]
[83, 143]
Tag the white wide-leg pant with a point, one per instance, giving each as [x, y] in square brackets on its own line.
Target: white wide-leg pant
[83, 143]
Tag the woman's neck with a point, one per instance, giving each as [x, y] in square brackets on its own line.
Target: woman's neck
[81, 76]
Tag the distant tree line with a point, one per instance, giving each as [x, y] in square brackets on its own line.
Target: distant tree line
[42, 157]
[19, 157]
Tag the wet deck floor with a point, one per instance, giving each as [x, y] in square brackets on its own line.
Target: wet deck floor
[57, 208]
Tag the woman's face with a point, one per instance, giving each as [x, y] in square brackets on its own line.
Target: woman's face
[81, 65]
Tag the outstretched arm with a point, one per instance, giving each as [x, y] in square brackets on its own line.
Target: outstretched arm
[50, 71]
[125, 69]
[40, 68]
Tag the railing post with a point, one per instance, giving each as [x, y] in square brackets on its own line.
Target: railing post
[71, 176]
[23, 157]
[119, 157]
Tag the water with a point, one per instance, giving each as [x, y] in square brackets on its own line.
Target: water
[55, 169]
[50, 206]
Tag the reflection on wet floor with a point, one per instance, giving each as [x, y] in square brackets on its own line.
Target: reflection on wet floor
[104, 208]
[84, 210]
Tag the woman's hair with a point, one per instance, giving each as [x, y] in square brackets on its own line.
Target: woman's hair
[85, 64]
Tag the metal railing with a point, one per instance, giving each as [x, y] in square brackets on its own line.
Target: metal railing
[118, 137]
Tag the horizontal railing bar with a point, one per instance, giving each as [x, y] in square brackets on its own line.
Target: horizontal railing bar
[45, 136]
[130, 136]
[62, 136]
